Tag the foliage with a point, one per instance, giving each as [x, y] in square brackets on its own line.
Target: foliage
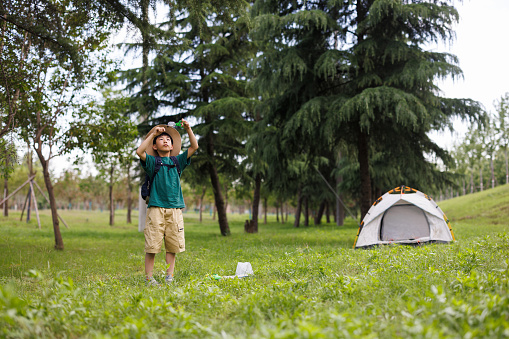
[359, 73]
[481, 155]
[308, 282]
[9, 157]
[200, 73]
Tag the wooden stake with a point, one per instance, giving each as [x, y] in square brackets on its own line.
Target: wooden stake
[35, 205]
[45, 197]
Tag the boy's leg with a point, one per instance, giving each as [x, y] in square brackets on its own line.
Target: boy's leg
[170, 261]
[149, 264]
[154, 234]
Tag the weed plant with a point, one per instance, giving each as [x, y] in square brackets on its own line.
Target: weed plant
[308, 282]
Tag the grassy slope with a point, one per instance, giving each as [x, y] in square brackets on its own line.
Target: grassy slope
[308, 281]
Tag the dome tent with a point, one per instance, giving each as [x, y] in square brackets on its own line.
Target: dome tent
[403, 216]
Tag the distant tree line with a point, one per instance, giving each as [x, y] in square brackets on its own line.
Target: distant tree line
[481, 157]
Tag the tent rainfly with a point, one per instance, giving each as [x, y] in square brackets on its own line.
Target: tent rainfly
[403, 216]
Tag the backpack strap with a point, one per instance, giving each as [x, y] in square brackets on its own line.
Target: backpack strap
[159, 163]
[176, 162]
[157, 166]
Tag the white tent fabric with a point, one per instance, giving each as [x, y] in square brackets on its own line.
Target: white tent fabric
[403, 215]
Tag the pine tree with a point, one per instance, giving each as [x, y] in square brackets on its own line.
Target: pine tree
[358, 72]
[202, 75]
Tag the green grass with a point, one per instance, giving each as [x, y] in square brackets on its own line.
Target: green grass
[308, 282]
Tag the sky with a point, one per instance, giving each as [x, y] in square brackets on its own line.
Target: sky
[482, 47]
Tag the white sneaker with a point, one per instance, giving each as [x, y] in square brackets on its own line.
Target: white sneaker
[168, 279]
[151, 282]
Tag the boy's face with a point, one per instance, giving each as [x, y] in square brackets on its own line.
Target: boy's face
[163, 144]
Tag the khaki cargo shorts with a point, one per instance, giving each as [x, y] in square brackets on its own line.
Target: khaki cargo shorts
[167, 224]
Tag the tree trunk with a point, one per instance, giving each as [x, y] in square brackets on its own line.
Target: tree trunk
[282, 211]
[112, 207]
[298, 210]
[287, 212]
[306, 211]
[506, 167]
[339, 215]
[492, 172]
[144, 4]
[282, 204]
[59, 243]
[129, 194]
[216, 187]
[204, 189]
[225, 197]
[256, 204]
[327, 212]
[471, 182]
[265, 202]
[365, 178]
[219, 201]
[319, 213]
[481, 179]
[6, 190]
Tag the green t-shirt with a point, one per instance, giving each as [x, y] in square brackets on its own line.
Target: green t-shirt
[166, 191]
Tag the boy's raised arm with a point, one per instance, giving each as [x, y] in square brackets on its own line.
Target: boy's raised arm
[147, 142]
[192, 139]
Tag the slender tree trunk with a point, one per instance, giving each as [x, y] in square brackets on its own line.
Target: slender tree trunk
[306, 211]
[327, 212]
[144, 4]
[282, 211]
[265, 202]
[225, 197]
[256, 203]
[277, 212]
[471, 182]
[339, 215]
[59, 243]
[6, 190]
[319, 213]
[129, 194]
[298, 210]
[506, 167]
[492, 172]
[481, 179]
[363, 141]
[112, 207]
[218, 197]
[204, 189]
[363, 157]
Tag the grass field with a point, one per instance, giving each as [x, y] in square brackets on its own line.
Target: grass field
[308, 281]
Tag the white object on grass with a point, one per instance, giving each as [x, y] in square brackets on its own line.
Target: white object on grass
[243, 269]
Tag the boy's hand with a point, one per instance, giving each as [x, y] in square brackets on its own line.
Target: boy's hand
[159, 130]
[186, 125]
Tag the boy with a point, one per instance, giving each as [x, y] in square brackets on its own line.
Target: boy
[164, 211]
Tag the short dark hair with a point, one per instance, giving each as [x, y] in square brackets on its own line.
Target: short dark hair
[164, 133]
